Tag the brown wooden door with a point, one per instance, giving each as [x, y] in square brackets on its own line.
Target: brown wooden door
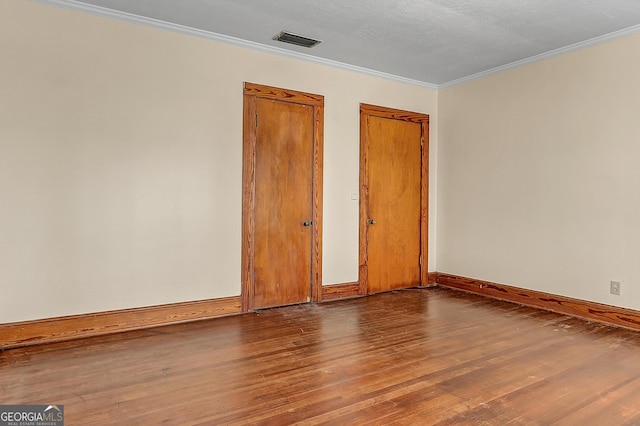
[281, 197]
[394, 205]
[283, 209]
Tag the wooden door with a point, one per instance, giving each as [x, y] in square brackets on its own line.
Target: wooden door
[393, 206]
[281, 203]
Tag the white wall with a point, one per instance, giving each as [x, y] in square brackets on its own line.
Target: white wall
[538, 175]
[120, 161]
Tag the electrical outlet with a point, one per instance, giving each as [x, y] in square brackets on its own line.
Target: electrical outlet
[615, 288]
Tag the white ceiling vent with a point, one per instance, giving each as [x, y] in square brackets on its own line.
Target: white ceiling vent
[296, 39]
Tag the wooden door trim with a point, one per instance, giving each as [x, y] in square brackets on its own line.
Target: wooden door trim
[367, 110]
[251, 93]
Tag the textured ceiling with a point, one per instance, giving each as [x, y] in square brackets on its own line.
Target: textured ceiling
[430, 41]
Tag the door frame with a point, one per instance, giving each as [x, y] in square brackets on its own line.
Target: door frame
[251, 93]
[366, 111]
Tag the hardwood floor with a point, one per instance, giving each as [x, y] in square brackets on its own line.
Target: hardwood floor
[418, 357]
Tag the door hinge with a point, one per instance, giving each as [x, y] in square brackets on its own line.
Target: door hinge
[420, 260]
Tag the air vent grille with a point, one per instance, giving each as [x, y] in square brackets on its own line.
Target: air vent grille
[296, 39]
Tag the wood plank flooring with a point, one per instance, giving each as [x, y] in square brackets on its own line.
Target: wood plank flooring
[413, 357]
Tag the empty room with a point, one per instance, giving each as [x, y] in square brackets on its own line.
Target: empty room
[274, 212]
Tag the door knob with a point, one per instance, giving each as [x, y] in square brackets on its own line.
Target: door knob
[307, 223]
[371, 222]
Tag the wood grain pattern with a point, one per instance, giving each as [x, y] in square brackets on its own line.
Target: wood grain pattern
[410, 357]
[252, 92]
[592, 311]
[367, 112]
[424, 203]
[317, 191]
[363, 234]
[394, 182]
[283, 200]
[395, 114]
[49, 330]
[269, 92]
[340, 291]
[248, 199]
[431, 279]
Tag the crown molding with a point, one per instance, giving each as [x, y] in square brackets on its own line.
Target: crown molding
[532, 59]
[209, 35]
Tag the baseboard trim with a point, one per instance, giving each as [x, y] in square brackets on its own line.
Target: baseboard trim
[340, 291]
[591, 311]
[49, 330]
[431, 279]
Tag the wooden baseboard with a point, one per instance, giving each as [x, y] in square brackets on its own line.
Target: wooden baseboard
[58, 329]
[340, 291]
[347, 290]
[431, 279]
[51, 330]
[592, 311]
